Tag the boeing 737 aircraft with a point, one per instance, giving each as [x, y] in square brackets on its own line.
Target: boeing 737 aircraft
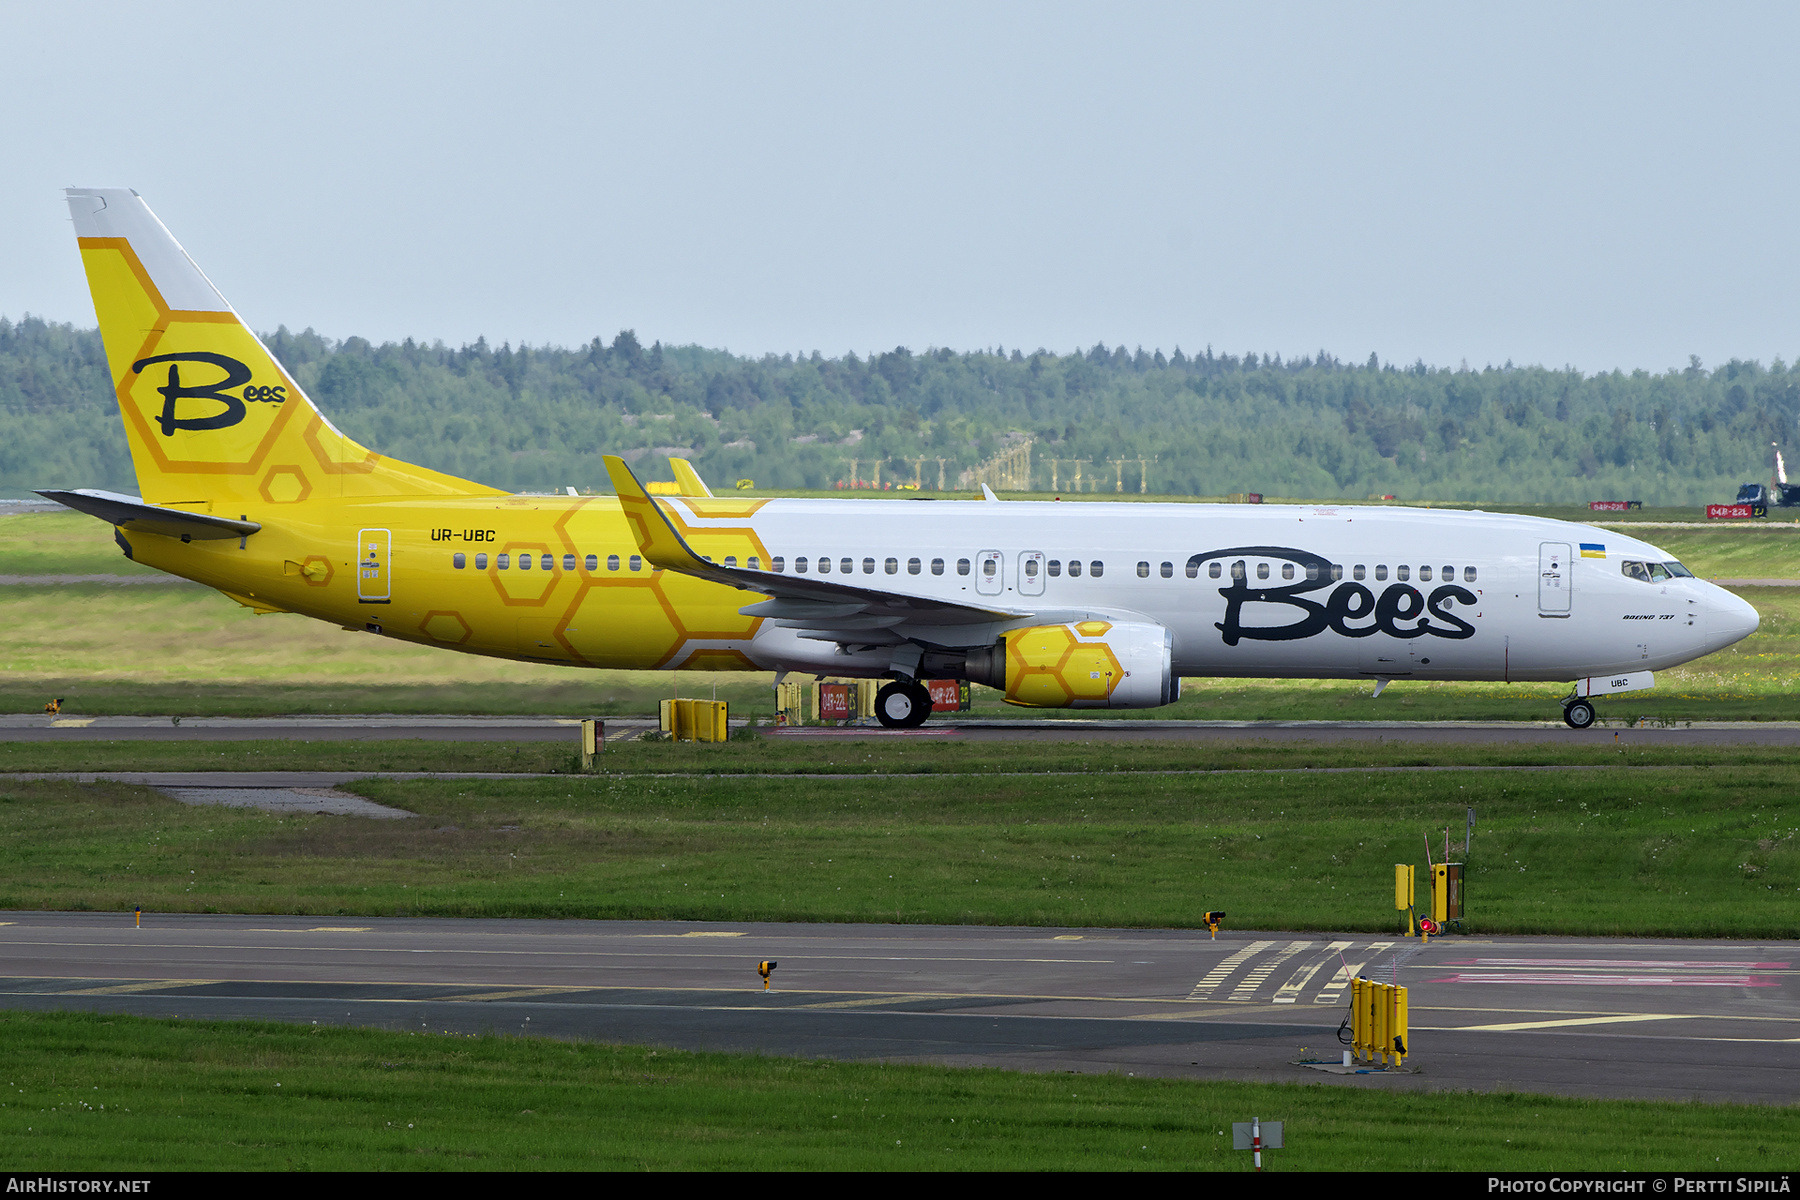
[247, 488]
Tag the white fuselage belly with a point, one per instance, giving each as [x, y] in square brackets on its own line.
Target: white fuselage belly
[1520, 603]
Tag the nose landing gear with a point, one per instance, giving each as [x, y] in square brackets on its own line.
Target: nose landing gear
[903, 704]
[1578, 714]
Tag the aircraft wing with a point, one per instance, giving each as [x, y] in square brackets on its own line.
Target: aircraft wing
[817, 608]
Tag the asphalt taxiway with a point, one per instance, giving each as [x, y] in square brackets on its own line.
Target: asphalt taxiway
[1588, 1017]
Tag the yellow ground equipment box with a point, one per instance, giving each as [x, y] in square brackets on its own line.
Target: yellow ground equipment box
[1404, 892]
[695, 720]
[1447, 892]
[790, 704]
[593, 741]
[1378, 1029]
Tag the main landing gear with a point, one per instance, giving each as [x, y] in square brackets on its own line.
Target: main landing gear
[1578, 714]
[903, 704]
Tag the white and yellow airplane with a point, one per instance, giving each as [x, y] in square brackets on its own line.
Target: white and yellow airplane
[248, 488]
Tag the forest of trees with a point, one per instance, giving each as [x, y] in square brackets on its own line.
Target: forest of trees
[538, 417]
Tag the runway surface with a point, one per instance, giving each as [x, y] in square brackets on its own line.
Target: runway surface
[36, 727]
[1589, 1017]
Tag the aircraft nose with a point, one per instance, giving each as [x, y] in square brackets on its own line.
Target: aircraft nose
[1729, 619]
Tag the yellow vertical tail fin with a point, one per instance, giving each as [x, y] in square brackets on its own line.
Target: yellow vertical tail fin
[209, 414]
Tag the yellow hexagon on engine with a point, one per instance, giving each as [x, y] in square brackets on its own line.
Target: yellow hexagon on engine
[1093, 629]
[1034, 659]
[1091, 672]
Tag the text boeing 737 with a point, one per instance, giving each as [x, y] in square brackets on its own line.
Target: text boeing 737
[247, 488]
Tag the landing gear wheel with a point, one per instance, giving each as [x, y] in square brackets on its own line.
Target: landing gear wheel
[1579, 714]
[902, 704]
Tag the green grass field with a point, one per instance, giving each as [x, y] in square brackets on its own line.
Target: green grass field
[1648, 850]
[108, 1093]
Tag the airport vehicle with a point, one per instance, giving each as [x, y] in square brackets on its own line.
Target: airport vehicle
[1780, 493]
[248, 488]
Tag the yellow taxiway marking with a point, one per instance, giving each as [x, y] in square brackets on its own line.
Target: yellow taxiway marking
[319, 929]
[1066, 937]
[72, 723]
[872, 1001]
[517, 993]
[145, 985]
[698, 933]
[1515, 1026]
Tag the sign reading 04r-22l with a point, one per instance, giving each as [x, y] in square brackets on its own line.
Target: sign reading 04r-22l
[236, 375]
[1391, 613]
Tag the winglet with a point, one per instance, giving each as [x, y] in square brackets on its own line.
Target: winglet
[987, 493]
[689, 479]
[656, 537]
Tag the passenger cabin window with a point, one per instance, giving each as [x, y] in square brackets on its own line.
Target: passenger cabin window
[548, 562]
[592, 562]
[754, 563]
[912, 566]
[800, 564]
[524, 562]
[1402, 573]
[1074, 568]
[1143, 570]
[988, 567]
[481, 562]
[1054, 566]
[501, 562]
[612, 562]
[1193, 569]
[868, 566]
[1262, 570]
[1287, 570]
[779, 563]
[892, 566]
[1237, 571]
[937, 566]
[637, 562]
[846, 566]
[1468, 574]
[1424, 574]
[1337, 572]
[824, 565]
[1214, 570]
[1381, 572]
[1031, 568]
[458, 561]
[962, 566]
[1096, 568]
[1448, 575]
[1168, 570]
[1359, 572]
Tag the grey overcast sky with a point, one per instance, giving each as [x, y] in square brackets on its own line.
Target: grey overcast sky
[1603, 185]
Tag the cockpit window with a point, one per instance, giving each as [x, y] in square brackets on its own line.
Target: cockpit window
[1678, 571]
[1658, 572]
[1635, 570]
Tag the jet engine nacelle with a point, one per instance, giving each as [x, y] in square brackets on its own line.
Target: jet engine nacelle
[1088, 664]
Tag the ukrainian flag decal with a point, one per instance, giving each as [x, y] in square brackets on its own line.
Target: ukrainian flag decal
[1592, 550]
